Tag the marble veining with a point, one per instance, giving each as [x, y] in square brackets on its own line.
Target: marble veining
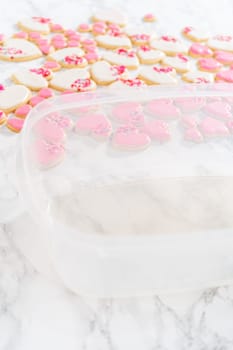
[36, 313]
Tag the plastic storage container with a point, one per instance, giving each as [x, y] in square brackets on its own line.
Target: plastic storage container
[137, 197]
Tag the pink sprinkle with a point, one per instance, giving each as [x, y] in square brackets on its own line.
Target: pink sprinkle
[35, 100]
[81, 84]
[169, 38]
[187, 30]
[132, 82]
[74, 59]
[42, 19]
[45, 93]
[126, 53]
[223, 37]
[182, 57]
[141, 37]
[1, 87]
[163, 69]
[118, 70]
[145, 48]
[41, 71]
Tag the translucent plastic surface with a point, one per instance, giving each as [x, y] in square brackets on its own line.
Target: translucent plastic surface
[133, 189]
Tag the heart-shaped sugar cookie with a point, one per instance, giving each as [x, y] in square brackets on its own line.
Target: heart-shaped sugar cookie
[61, 54]
[180, 62]
[14, 96]
[19, 50]
[76, 79]
[122, 57]
[129, 138]
[169, 44]
[163, 108]
[158, 75]
[147, 55]
[48, 154]
[113, 42]
[96, 125]
[211, 127]
[219, 109]
[103, 73]
[30, 79]
[35, 24]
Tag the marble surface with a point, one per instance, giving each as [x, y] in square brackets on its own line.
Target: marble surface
[36, 313]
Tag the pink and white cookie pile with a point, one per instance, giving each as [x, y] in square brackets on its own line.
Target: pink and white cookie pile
[105, 50]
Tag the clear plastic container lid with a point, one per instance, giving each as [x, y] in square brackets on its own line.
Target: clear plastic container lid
[131, 186]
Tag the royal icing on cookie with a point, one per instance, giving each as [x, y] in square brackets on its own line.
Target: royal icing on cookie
[35, 24]
[103, 73]
[129, 113]
[14, 96]
[158, 130]
[190, 104]
[130, 138]
[52, 65]
[19, 50]
[15, 124]
[209, 64]
[48, 154]
[193, 134]
[46, 93]
[95, 125]
[49, 131]
[122, 57]
[44, 72]
[221, 42]
[195, 34]
[224, 57]
[60, 55]
[163, 108]
[199, 50]
[128, 83]
[147, 55]
[30, 79]
[60, 121]
[211, 127]
[158, 75]
[22, 111]
[35, 100]
[169, 45]
[198, 77]
[76, 79]
[180, 62]
[73, 61]
[219, 109]
[113, 42]
[110, 16]
[225, 76]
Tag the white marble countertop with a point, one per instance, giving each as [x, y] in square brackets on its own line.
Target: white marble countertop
[36, 313]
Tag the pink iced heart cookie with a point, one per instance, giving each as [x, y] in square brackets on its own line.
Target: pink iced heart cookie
[193, 134]
[211, 127]
[209, 64]
[22, 111]
[225, 76]
[199, 50]
[129, 113]
[96, 125]
[224, 57]
[219, 109]
[46, 93]
[15, 124]
[163, 108]
[189, 121]
[59, 120]
[190, 104]
[48, 154]
[129, 138]
[49, 131]
[158, 130]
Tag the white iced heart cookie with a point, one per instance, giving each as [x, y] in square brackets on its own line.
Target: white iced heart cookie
[14, 96]
[104, 73]
[35, 24]
[158, 75]
[19, 50]
[113, 42]
[195, 34]
[198, 77]
[221, 43]
[76, 79]
[60, 55]
[110, 16]
[180, 62]
[30, 79]
[147, 55]
[169, 45]
[122, 57]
